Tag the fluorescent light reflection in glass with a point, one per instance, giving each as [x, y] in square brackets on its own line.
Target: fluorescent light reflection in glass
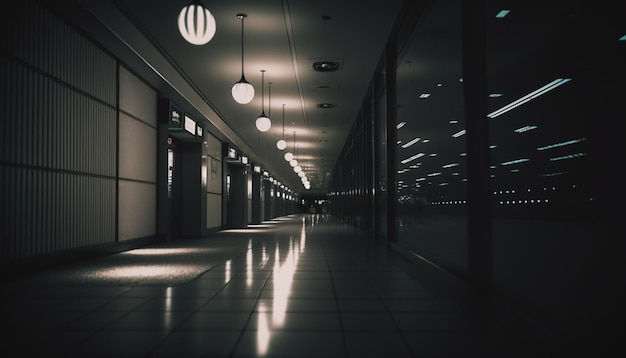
[561, 144]
[534, 94]
[458, 134]
[525, 129]
[569, 156]
[516, 161]
[410, 143]
[409, 159]
[502, 13]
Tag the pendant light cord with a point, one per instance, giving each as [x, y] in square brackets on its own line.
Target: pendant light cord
[263, 92]
[242, 16]
[283, 121]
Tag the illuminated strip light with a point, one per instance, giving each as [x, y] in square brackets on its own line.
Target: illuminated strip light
[550, 86]
[400, 125]
[502, 14]
[433, 174]
[410, 143]
[516, 161]
[553, 174]
[556, 145]
[450, 165]
[458, 134]
[418, 155]
[570, 156]
[623, 38]
[525, 129]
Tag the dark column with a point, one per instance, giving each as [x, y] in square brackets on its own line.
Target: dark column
[256, 198]
[238, 199]
[392, 119]
[479, 192]
[192, 194]
[267, 213]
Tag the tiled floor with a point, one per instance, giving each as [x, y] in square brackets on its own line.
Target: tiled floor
[295, 287]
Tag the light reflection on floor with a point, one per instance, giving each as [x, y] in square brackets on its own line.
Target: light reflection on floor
[310, 287]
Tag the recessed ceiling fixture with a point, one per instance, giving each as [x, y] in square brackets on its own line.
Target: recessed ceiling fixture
[243, 91]
[263, 123]
[282, 144]
[325, 105]
[196, 23]
[326, 66]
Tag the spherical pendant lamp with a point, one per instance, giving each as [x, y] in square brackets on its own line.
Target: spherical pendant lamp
[242, 91]
[263, 123]
[196, 23]
[281, 144]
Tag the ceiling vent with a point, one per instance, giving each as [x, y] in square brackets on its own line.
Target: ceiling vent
[329, 64]
[325, 66]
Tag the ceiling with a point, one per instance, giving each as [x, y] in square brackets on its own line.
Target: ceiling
[538, 42]
[282, 37]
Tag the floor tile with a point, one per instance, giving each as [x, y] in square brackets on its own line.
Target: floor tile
[198, 343]
[129, 343]
[150, 320]
[376, 344]
[277, 320]
[262, 343]
[206, 320]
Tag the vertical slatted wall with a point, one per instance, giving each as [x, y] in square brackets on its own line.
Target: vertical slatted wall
[59, 130]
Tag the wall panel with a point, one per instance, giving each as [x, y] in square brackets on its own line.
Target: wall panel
[137, 210]
[137, 149]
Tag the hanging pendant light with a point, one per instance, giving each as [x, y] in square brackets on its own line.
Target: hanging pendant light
[263, 123]
[243, 91]
[282, 144]
[196, 23]
[294, 162]
[289, 155]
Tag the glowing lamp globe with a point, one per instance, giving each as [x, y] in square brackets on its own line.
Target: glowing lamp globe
[293, 163]
[281, 144]
[288, 156]
[243, 91]
[196, 24]
[263, 124]
[297, 169]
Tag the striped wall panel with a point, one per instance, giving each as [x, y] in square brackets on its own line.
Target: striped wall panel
[50, 125]
[45, 42]
[47, 211]
[59, 137]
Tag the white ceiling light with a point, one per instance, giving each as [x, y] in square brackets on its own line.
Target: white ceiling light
[243, 91]
[534, 94]
[196, 24]
[263, 123]
[288, 156]
[282, 144]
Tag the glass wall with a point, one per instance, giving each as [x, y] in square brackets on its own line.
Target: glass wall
[555, 113]
[431, 168]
